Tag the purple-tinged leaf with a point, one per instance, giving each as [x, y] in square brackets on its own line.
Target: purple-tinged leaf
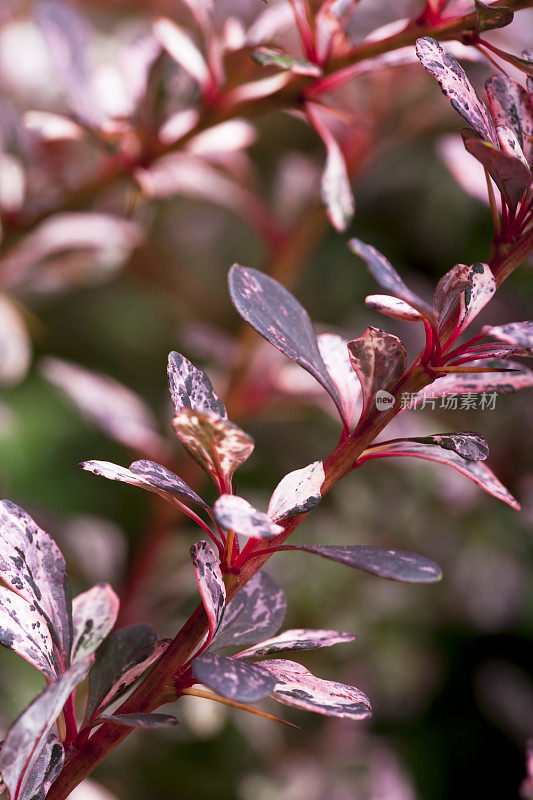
[32, 564]
[182, 49]
[276, 314]
[255, 612]
[470, 446]
[476, 470]
[147, 475]
[463, 291]
[28, 736]
[509, 173]
[140, 720]
[268, 57]
[456, 85]
[482, 382]
[120, 660]
[107, 404]
[386, 276]
[210, 583]
[379, 359]
[448, 290]
[235, 513]
[510, 144]
[219, 446]
[334, 351]
[24, 630]
[396, 565]
[46, 770]
[232, 678]
[296, 686]
[298, 492]
[393, 307]
[191, 388]
[496, 350]
[297, 639]
[516, 333]
[511, 107]
[489, 18]
[94, 614]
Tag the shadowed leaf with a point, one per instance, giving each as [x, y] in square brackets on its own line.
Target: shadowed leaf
[210, 583]
[181, 48]
[24, 630]
[510, 144]
[298, 492]
[268, 57]
[232, 678]
[489, 18]
[334, 350]
[191, 388]
[379, 359]
[15, 344]
[470, 446]
[510, 175]
[43, 774]
[462, 293]
[140, 720]
[297, 639]
[94, 614]
[235, 513]
[255, 612]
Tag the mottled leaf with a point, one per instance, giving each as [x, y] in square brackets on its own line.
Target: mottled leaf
[255, 612]
[43, 774]
[219, 446]
[462, 293]
[235, 513]
[386, 276]
[268, 57]
[456, 85]
[25, 630]
[28, 736]
[274, 313]
[510, 144]
[489, 18]
[94, 614]
[140, 720]
[334, 351]
[516, 333]
[107, 404]
[191, 388]
[393, 307]
[511, 107]
[32, 564]
[210, 582]
[335, 188]
[232, 678]
[470, 446]
[476, 470]
[495, 350]
[481, 382]
[510, 175]
[120, 660]
[379, 359]
[397, 565]
[296, 686]
[297, 639]
[298, 492]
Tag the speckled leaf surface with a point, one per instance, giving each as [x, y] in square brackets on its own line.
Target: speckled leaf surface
[140, 720]
[236, 513]
[511, 107]
[334, 351]
[43, 774]
[298, 492]
[94, 614]
[232, 678]
[255, 612]
[470, 446]
[28, 736]
[393, 307]
[497, 350]
[510, 175]
[515, 333]
[296, 686]
[510, 144]
[276, 314]
[456, 85]
[481, 382]
[397, 565]
[32, 564]
[24, 630]
[463, 292]
[297, 639]
[379, 359]
[190, 387]
[210, 583]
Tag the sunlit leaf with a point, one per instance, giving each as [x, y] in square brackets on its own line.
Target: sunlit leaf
[511, 107]
[232, 678]
[515, 333]
[510, 144]
[94, 614]
[393, 307]
[268, 57]
[235, 513]
[255, 612]
[210, 583]
[181, 48]
[298, 492]
[191, 388]
[297, 639]
[24, 630]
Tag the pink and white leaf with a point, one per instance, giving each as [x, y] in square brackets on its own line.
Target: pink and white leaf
[468, 445]
[297, 639]
[235, 513]
[28, 736]
[190, 387]
[210, 583]
[511, 107]
[298, 492]
[334, 351]
[296, 686]
[94, 614]
[393, 307]
[510, 144]
[15, 344]
[515, 333]
[232, 678]
[476, 296]
[226, 137]
[379, 359]
[257, 90]
[24, 630]
[513, 376]
[46, 770]
[182, 49]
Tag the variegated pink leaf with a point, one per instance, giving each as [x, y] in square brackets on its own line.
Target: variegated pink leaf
[46, 770]
[386, 276]
[510, 175]
[268, 57]
[297, 639]
[515, 333]
[482, 382]
[276, 314]
[476, 470]
[255, 612]
[296, 686]
[120, 660]
[232, 678]
[32, 564]
[510, 144]
[210, 583]
[182, 49]
[510, 106]
[140, 720]
[456, 85]
[379, 359]
[462, 293]
[393, 307]
[219, 446]
[470, 446]
[191, 388]
[24, 630]
[298, 492]
[496, 350]
[28, 736]
[334, 351]
[107, 404]
[147, 475]
[235, 513]
[396, 565]
[94, 614]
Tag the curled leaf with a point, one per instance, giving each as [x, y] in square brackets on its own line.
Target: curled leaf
[511, 107]
[181, 48]
[232, 678]
[379, 359]
[210, 582]
[235, 513]
[298, 492]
